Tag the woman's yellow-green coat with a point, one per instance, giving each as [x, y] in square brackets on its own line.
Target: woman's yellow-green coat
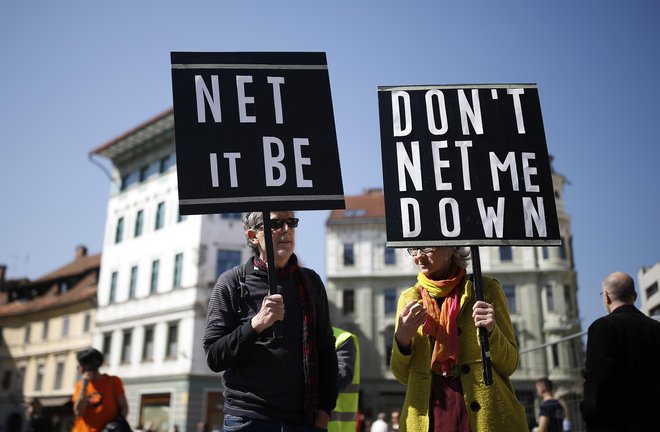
[491, 408]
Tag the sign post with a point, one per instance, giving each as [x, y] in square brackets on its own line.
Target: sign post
[255, 132]
[466, 165]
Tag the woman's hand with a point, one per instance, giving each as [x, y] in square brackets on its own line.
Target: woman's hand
[412, 316]
[484, 315]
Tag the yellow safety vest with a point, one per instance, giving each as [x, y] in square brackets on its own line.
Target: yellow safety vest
[344, 416]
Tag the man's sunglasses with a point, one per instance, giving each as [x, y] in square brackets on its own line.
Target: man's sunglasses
[276, 224]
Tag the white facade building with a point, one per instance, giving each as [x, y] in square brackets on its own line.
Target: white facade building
[365, 279]
[648, 279]
[157, 272]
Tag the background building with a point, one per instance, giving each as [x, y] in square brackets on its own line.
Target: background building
[44, 324]
[365, 279]
[157, 273]
[648, 279]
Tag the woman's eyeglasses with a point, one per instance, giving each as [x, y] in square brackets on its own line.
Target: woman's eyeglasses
[276, 224]
[416, 251]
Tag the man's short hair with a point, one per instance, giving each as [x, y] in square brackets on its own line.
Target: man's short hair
[91, 358]
[545, 382]
[620, 286]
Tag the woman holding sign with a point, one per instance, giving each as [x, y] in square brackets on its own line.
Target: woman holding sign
[436, 351]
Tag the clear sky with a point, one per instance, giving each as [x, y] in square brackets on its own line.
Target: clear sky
[76, 74]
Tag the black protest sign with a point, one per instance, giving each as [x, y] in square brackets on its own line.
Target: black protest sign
[466, 165]
[254, 131]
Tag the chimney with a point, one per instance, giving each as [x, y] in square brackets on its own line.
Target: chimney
[3, 271]
[81, 252]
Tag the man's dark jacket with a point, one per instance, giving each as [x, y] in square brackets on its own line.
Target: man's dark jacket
[263, 376]
[622, 374]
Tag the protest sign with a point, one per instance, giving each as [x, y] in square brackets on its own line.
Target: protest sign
[466, 165]
[254, 131]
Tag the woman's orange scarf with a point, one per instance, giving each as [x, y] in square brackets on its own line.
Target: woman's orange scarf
[441, 322]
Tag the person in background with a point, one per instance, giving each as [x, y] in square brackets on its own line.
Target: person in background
[98, 399]
[623, 350]
[552, 414]
[287, 384]
[380, 424]
[36, 421]
[436, 351]
[344, 417]
[394, 419]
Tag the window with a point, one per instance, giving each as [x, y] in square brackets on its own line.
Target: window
[148, 346]
[144, 173]
[107, 346]
[390, 256]
[39, 382]
[549, 296]
[516, 334]
[139, 223]
[652, 290]
[133, 283]
[546, 252]
[655, 311]
[63, 287]
[126, 347]
[568, 299]
[510, 294]
[555, 355]
[226, 259]
[160, 216]
[156, 409]
[349, 254]
[562, 249]
[389, 338]
[44, 333]
[6, 379]
[165, 163]
[119, 230]
[178, 269]
[348, 301]
[65, 326]
[179, 216]
[172, 340]
[390, 300]
[129, 179]
[113, 288]
[506, 254]
[155, 269]
[59, 375]
[231, 216]
[87, 321]
[21, 377]
[26, 333]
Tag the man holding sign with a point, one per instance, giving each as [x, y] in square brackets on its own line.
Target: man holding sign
[255, 132]
[286, 384]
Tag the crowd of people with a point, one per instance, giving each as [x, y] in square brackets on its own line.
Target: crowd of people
[307, 380]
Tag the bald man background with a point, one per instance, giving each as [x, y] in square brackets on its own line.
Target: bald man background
[622, 373]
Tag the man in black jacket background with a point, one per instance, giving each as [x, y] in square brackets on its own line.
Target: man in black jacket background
[622, 380]
[287, 384]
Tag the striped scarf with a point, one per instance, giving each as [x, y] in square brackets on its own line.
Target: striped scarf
[441, 321]
[310, 358]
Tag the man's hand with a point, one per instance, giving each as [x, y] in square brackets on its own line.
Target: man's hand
[321, 419]
[272, 310]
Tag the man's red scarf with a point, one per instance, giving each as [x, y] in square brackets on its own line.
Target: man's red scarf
[310, 357]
